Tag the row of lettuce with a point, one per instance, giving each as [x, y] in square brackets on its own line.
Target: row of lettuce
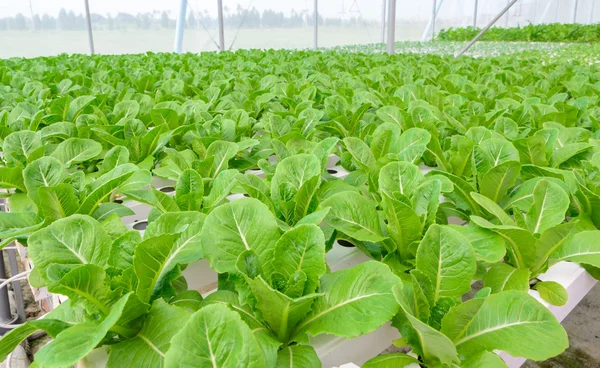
[552, 32]
[509, 147]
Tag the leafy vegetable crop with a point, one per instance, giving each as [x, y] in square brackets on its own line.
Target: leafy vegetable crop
[554, 32]
[442, 172]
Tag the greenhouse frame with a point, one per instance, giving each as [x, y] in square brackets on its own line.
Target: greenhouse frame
[327, 183]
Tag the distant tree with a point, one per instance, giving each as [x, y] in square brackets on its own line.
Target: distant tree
[48, 22]
[3, 24]
[164, 19]
[20, 24]
[110, 22]
[191, 21]
[37, 22]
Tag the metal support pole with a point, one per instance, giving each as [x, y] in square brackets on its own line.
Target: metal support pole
[89, 26]
[430, 23]
[535, 4]
[221, 28]
[433, 15]
[575, 11]
[592, 12]
[316, 25]
[180, 27]
[14, 269]
[383, 8]
[507, 16]
[5, 315]
[546, 10]
[466, 48]
[391, 39]
[32, 16]
[475, 13]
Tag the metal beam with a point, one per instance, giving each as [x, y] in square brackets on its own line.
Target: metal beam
[316, 25]
[475, 13]
[391, 39]
[507, 16]
[535, 5]
[383, 8]
[89, 27]
[466, 48]
[546, 10]
[575, 11]
[180, 27]
[221, 28]
[592, 12]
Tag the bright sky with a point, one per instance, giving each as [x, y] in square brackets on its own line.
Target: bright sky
[371, 9]
[343, 8]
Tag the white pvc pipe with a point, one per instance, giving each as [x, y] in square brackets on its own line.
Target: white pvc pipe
[592, 12]
[575, 11]
[507, 15]
[475, 13]
[180, 27]
[391, 27]
[316, 25]
[221, 28]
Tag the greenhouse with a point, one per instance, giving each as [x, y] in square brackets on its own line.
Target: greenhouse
[278, 184]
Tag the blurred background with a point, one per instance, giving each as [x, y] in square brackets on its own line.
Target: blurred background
[32, 28]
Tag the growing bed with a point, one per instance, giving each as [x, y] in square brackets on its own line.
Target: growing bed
[445, 207]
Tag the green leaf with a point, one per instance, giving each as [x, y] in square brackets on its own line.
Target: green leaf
[362, 294]
[583, 247]
[13, 224]
[19, 146]
[550, 202]
[404, 225]
[431, 345]
[85, 285]
[291, 174]
[158, 255]
[552, 292]
[149, 346]
[361, 153]
[155, 198]
[105, 210]
[190, 300]
[79, 340]
[12, 177]
[281, 312]
[43, 172]
[122, 249]
[116, 156]
[400, 177]
[57, 202]
[532, 150]
[412, 144]
[501, 277]
[301, 249]
[221, 187]
[101, 189]
[75, 240]
[215, 336]
[298, 356]
[520, 242]
[222, 151]
[76, 150]
[189, 191]
[14, 337]
[77, 106]
[484, 359]
[448, 259]
[493, 152]
[502, 322]
[488, 246]
[230, 229]
[305, 198]
[496, 182]
[549, 241]
[493, 208]
[354, 215]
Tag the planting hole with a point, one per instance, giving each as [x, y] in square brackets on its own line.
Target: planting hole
[345, 243]
[246, 195]
[118, 201]
[332, 171]
[141, 225]
[167, 189]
